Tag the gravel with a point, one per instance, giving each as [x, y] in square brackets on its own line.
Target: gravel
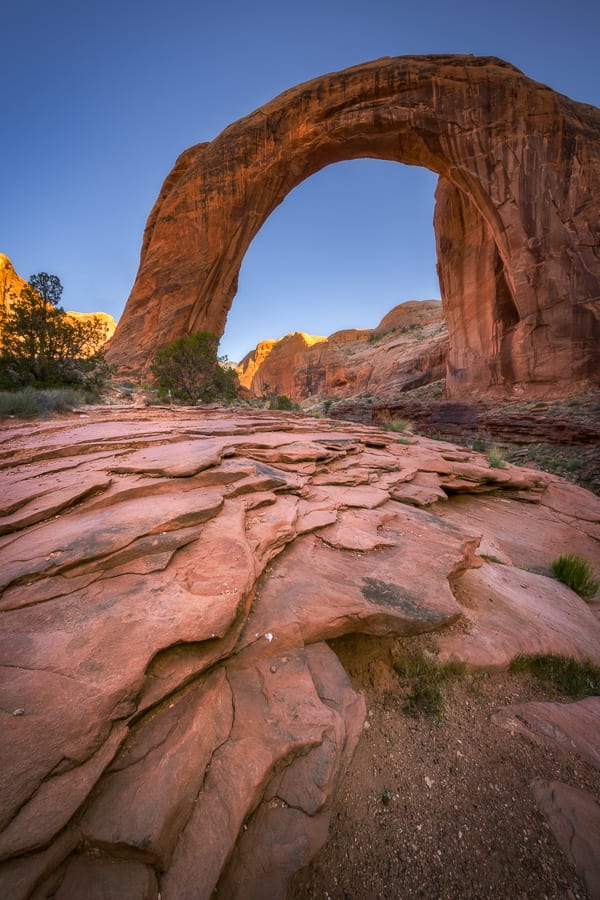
[442, 809]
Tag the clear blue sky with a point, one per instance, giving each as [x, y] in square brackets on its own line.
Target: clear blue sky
[99, 98]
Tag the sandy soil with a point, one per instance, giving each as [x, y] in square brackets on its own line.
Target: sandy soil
[442, 810]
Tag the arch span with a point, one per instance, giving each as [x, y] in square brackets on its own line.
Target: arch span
[517, 214]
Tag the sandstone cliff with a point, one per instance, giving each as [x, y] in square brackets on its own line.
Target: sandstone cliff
[11, 284]
[408, 348]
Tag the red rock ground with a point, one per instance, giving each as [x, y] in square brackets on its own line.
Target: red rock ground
[175, 722]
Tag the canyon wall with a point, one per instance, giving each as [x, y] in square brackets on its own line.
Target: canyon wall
[408, 348]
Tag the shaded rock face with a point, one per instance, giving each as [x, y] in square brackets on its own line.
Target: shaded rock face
[407, 349]
[517, 221]
[174, 723]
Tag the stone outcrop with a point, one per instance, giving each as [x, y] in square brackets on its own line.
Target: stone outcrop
[174, 723]
[407, 349]
[11, 285]
[517, 212]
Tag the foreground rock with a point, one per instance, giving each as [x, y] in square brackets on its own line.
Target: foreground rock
[173, 721]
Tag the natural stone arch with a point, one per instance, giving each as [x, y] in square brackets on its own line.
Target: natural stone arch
[517, 217]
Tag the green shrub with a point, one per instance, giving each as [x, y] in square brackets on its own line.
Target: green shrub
[496, 458]
[31, 403]
[569, 676]
[282, 402]
[424, 678]
[398, 425]
[576, 573]
[190, 370]
[479, 445]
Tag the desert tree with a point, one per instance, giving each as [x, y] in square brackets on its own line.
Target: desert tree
[190, 370]
[41, 344]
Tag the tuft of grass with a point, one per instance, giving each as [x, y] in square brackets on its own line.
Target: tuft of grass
[32, 403]
[398, 425]
[496, 458]
[425, 678]
[569, 676]
[576, 573]
[490, 558]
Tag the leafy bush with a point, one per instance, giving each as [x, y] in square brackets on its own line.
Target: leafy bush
[569, 676]
[496, 458]
[282, 402]
[398, 425]
[31, 403]
[190, 370]
[425, 677]
[576, 573]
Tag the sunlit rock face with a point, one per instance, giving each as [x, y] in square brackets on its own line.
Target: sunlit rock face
[11, 284]
[174, 723]
[517, 221]
[407, 349]
[106, 320]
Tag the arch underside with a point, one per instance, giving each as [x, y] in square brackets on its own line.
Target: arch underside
[517, 216]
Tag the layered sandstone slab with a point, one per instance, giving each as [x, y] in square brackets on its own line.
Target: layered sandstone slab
[516, 224]
[173, 721]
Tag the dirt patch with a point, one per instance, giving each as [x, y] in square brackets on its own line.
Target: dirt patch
[442, 809]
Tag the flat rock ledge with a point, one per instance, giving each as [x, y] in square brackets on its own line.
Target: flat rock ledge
[174, 723]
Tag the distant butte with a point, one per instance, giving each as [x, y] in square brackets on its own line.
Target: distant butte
[516, 222]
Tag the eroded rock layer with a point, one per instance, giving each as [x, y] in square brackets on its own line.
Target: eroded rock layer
[174, 723]
[517, 222]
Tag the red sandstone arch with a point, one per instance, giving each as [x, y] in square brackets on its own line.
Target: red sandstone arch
[517, 217]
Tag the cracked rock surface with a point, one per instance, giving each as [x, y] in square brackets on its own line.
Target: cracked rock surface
[174, 723]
